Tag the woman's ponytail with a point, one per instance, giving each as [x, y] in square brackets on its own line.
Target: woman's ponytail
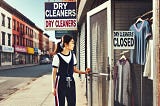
[59, 48]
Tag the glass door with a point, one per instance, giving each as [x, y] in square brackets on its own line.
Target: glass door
[98, 55]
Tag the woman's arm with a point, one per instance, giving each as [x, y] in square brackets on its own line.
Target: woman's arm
[54, 72]
[81, 72]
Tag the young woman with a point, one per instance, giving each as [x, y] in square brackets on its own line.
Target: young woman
[64, 64]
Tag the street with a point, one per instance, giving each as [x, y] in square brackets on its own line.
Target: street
[12, 80]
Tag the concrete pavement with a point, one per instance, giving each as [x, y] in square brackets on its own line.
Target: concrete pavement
[38, 93]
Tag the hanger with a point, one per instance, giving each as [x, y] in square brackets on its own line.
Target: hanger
[139, 20]
[123, 55]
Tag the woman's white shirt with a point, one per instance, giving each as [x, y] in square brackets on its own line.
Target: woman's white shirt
[66, 58]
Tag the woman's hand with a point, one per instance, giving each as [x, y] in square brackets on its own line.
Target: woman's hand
[87, 70]
[54, 92]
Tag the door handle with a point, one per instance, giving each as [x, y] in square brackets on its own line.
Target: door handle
[107, 75]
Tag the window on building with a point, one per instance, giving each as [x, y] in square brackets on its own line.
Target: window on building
[3, 19]
[31, 33]
[3, 38]
[21, 41]
[9, 39]
[14, 39]
[17, 26]
[17, 40]
[14, 24]
[26, 42]
[9, 22]
[26, 30]
[22, 29]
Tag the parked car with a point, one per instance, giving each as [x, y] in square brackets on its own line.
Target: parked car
[45, 60]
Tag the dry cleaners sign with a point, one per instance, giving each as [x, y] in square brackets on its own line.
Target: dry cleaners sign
[60, 16]
[123, 40]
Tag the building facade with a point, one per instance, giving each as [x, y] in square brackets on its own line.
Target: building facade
[21, 41]
[40, 42]
[51, 48]
[22, 38]
[35, 45]
[6, 49]
[45, 43]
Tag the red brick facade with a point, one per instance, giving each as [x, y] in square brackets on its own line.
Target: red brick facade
[22, 33]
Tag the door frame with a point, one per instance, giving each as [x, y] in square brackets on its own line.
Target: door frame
[110, 50]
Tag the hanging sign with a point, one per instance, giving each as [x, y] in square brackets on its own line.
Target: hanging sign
[60, 16]
[123, 40]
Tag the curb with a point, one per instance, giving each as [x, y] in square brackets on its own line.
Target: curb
[2, 68]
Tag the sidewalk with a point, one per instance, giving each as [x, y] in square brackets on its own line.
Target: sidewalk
[38, 93]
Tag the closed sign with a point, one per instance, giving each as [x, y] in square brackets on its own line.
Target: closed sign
[123, 40]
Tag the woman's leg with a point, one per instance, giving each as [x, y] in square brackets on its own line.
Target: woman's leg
[71, 95]
[61, 92]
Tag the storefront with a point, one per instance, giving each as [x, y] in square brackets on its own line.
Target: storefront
[6, 55]
[102, 57]
[29, 55]
[19, 55]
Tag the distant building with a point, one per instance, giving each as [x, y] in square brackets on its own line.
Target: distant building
[45, 43]
[51, 48]
[6, 49]
[21, 41]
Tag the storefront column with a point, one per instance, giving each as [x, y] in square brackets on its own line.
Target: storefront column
[156, 33]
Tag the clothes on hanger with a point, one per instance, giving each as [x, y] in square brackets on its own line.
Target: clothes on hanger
[122, 82]
[142, 31]
[147, 69]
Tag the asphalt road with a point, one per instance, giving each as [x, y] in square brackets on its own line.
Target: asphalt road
[13, 79]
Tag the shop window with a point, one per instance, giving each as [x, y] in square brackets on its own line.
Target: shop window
[9, 39]
[6, 57]
[9, 22]
[3, 19]
[3, 38]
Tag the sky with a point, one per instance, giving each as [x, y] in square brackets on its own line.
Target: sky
[34, 10]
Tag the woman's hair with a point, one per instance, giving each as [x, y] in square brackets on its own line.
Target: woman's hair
[60, 45]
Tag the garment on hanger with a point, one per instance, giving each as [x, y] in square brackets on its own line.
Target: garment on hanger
[148, 69]
[142, 31]
[122, 80]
